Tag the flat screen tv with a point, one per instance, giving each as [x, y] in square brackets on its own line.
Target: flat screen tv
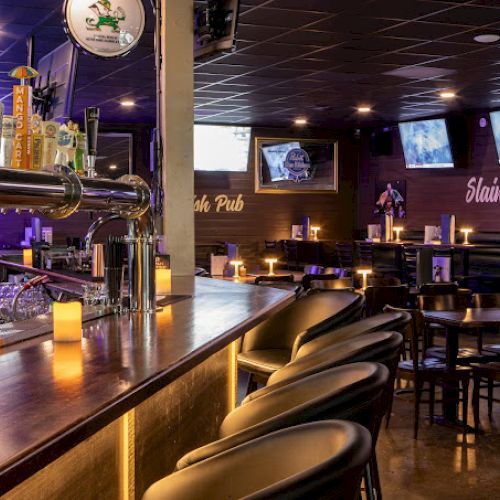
[221, 148]
[495, 125]
[426, 144]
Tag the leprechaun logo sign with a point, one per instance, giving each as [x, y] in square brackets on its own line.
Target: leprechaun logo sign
[104, 28]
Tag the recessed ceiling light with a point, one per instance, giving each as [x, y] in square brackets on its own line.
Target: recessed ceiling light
[447, 94]
[127, 103]
[364, 109]
[113, 167]
[300, 121]
[487, 38]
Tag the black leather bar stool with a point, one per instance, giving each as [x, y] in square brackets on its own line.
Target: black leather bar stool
[380, 347]
[389, 321]
[272, 343]
[315, 460]
[353, 392]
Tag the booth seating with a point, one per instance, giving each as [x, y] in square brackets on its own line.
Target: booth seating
[272, 343]
[388, 321]
[315, 460]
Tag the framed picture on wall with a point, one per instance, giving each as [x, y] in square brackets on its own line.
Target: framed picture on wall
[295, 165]
[390, 198]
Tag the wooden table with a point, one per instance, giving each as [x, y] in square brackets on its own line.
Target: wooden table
[455, 322]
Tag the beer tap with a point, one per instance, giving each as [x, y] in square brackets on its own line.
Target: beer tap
[91, 129]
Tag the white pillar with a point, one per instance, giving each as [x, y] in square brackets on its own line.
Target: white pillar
[177, 133]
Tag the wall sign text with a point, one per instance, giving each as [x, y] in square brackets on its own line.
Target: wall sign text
[219, 203]
[479, 191]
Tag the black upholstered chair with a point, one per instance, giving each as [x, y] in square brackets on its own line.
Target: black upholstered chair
[352, 392]
[332, 456]
[377, 297]
[380, 347]
[388, 321]
[308, 279]
[272, 343]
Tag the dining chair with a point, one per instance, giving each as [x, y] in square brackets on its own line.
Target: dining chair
[421, 369]
[345, 255]
[291, 252]
[466, 355]
[409, 255]
[491, 372]
[487, 301]
[313, 269]
[383, 281]
[438, 289]
[377, 297]
[364, 254]
[307, 279]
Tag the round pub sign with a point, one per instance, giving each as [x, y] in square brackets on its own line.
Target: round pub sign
[104, 28]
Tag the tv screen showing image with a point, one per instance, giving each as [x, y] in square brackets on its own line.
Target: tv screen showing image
[220, 148]
[426, 144]
[275, 156]
[495, 125]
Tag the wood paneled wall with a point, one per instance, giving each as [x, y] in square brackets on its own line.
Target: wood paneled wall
[264, 216]
[270, 216]
[432, 193]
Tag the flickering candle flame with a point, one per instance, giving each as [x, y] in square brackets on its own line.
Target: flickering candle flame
[364, 273]
[236, 264]
[271, 263]
[67, 321]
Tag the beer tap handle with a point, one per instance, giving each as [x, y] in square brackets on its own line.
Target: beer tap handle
[91, 129]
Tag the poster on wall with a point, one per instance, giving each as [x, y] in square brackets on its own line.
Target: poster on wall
[390, 198]
[295, 165]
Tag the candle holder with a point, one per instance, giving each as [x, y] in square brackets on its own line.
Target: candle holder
[397, 230]
[271, 263]
[236, 264]
[364, 273]
[67, 321]
[466, 231]
[315, 230]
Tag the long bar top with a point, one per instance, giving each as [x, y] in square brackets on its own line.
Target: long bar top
[47, 406]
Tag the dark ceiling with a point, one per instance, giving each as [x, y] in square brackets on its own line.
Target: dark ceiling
[314, 58]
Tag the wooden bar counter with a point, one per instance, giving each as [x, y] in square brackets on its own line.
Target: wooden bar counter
[107, 417]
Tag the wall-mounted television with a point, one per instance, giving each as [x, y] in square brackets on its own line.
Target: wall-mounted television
[495, 126]
[426, 144]
[221, 148]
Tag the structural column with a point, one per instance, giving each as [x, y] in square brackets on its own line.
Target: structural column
[177, 133]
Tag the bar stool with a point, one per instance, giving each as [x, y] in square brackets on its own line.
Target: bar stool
[388, 321]
[353, 392]
[272, 343]
[315, 460]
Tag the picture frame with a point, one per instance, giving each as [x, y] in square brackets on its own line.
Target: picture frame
[294, 166]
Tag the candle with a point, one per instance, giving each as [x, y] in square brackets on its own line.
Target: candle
[67, 321]
[397, 230]
[163, 281]
[466, 231]
[315, 230]
[28, 257]
[364, 273]
[236, 264]
[271, 263]
[67, 367]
